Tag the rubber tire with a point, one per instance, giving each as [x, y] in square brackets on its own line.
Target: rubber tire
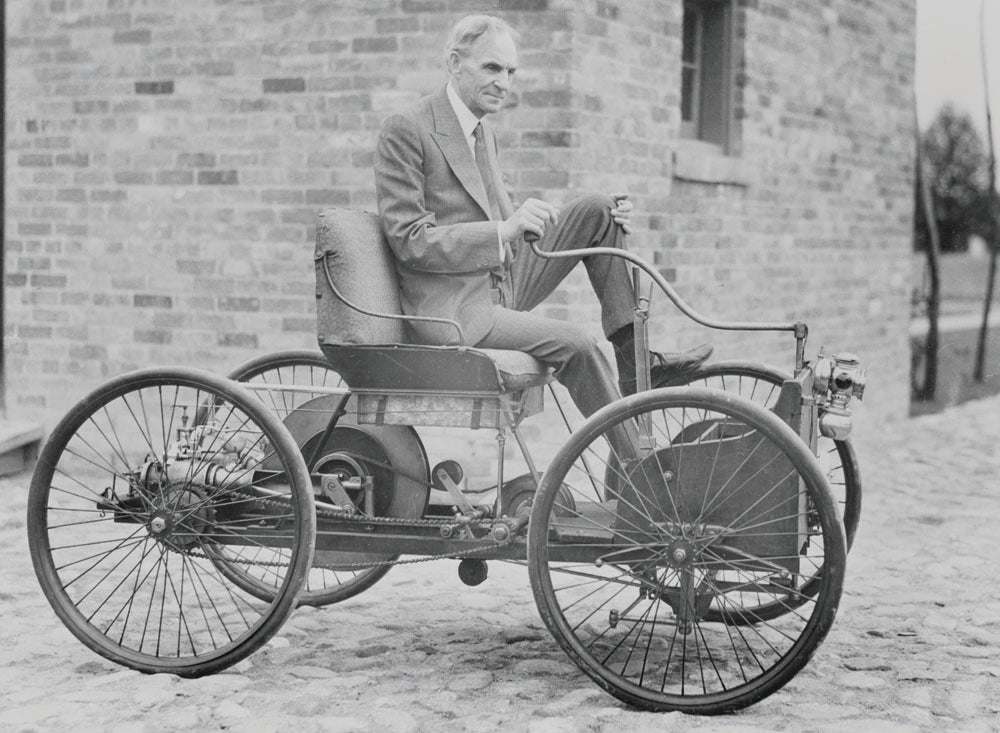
[776, 377]
[301, 501]
[834, 560]
[366, 578]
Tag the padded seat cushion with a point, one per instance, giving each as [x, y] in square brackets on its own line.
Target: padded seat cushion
[517, 369]
[350, 246]
[370, 352]
[434, 369]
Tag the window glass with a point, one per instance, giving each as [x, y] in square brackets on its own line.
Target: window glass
[706, 53]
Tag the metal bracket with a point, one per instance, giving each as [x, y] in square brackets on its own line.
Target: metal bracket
[456, 494]
[335, 491]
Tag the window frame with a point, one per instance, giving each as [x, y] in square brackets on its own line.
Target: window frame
[711, 121]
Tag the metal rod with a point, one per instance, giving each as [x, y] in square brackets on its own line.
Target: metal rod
[640, 330]
[391, 316]
[665, 286]
[569, 429]
[801, 332]
[335, 416]
[274, 387]
[536, 476]
[501, 443]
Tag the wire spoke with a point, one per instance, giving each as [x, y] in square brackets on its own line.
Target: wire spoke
[694, 586]
[163, 538]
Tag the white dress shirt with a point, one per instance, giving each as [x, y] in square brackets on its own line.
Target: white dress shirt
[468, 121]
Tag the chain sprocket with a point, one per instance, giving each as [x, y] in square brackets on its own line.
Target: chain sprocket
[321, 511]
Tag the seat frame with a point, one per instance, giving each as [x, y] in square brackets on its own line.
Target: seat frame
[417, 384]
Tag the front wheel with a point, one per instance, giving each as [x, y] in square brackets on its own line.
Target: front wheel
[761, 384]
[651, 585]
[134, 501]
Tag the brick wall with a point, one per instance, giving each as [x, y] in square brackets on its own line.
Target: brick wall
[166, 160]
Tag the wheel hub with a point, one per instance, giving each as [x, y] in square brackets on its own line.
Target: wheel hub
[680, 554]
[160, 524]
[180, 516]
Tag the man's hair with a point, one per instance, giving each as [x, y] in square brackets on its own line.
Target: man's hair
[469, 29]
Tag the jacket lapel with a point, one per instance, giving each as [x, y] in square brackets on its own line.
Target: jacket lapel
[448, 135]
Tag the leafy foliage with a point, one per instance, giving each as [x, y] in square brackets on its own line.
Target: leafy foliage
[956, 162]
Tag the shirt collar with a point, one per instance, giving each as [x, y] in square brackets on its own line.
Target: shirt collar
[466, 120]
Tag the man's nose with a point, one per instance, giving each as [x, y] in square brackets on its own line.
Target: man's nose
[502, 82]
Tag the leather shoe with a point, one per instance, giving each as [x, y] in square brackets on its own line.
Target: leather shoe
[669, 365]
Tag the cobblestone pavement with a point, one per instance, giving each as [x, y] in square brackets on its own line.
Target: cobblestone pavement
[916, 645]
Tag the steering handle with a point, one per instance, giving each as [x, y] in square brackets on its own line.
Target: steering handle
[798, 328]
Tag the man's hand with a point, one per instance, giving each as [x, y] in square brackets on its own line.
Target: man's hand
[531, 216]
[622, 212]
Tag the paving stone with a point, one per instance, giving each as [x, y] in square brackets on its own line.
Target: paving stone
[308, 704]
[544, 667]
[868, 724]
[553, 725]
[914, 646]
[396, 721]
[130, 726]
[312, 673]
[473, 681]
[230, 709]
[866, 664]
[518, 635]
[924, 670]
[862, 681]
[25, 715]
[338, 724]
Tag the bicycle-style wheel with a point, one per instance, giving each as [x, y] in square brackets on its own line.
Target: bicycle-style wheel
[133, 502]
[298, 369]
[652, 586]
[284, 381]
[761, 384]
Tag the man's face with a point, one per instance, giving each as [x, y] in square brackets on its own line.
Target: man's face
[483, 77]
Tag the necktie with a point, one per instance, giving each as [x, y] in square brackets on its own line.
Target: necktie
[489, 180]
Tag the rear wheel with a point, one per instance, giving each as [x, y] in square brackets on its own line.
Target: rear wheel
[652, 585]
[298, 369]
[132, 503]
[283, 381]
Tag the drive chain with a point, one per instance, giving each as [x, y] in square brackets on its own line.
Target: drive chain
[321, 511]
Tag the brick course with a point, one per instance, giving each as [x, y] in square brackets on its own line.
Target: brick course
[164, 171]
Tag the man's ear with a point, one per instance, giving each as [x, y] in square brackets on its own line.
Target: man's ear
[454, 61]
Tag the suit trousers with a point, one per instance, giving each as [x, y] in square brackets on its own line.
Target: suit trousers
[584, 222]
[579, 363]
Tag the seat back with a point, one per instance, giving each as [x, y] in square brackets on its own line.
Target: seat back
[350, 247]
[396, 382]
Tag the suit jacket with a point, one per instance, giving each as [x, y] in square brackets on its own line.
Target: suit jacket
[436, 217]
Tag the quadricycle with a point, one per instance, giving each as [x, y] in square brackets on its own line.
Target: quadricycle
[685, 545]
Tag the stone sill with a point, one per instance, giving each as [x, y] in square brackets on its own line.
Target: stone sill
[19, 445]
[700, 162]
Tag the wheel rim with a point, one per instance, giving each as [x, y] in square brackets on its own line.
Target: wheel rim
[283, 369]
[331, 579]
[761, 384]
[124, 527]
[640, 624]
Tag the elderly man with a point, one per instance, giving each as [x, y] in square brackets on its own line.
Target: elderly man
[459, 240]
